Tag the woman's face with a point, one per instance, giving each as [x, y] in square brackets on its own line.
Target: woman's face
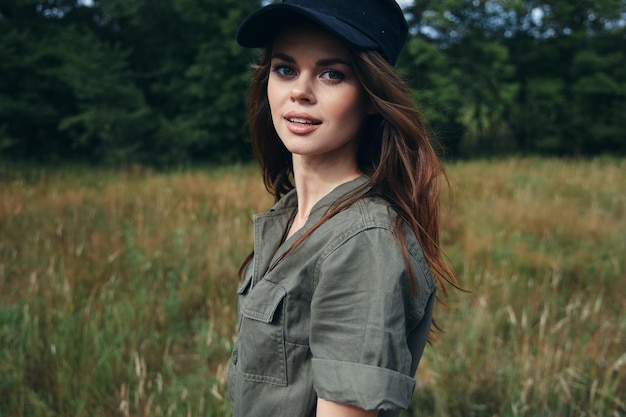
[317, 103]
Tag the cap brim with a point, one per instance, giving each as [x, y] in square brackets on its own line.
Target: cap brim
[258, 29]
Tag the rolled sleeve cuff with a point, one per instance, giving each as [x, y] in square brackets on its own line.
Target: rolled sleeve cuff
[364, 386]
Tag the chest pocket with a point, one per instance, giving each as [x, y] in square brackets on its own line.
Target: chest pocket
[262, 334]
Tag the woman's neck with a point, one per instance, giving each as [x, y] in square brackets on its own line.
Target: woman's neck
[314, 180]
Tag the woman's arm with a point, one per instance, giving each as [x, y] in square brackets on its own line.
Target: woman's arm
[331, 409]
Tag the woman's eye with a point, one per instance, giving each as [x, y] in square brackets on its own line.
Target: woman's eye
[333, 75]
[284, 71]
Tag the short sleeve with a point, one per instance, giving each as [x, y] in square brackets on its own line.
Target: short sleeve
[358, 333]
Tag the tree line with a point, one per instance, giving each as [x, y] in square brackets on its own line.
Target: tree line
[163, 82]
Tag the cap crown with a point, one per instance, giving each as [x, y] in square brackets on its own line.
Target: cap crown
[364, 24]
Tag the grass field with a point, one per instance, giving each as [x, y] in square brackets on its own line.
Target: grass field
[117, 290]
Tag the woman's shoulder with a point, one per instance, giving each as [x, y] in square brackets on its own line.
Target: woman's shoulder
[375, 216]
[364, 238]
[367, 222]
[367, 213]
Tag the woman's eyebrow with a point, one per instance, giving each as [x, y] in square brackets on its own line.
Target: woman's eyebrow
[328, 62]
[325, 62]
[284, 57]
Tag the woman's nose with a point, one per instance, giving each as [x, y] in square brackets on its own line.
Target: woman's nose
[302, 92]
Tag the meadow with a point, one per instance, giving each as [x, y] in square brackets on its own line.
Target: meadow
[117, 290]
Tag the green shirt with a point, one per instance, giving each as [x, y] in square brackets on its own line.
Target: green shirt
[336, 318]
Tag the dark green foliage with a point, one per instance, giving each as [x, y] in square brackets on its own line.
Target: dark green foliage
[163, 82]
[536, 76]
[113, 121]
[157, 82]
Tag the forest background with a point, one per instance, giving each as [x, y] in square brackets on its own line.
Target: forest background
[163, 82]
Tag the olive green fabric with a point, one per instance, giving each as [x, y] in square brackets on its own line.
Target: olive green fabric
[336, 318]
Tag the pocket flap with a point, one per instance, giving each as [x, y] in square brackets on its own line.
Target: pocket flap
[262, 301]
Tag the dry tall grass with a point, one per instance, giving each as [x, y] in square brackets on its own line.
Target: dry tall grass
[542, 246]
[117, 291]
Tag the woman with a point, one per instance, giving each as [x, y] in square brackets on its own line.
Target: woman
[336, 300]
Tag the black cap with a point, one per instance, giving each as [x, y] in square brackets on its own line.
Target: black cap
[364, 24]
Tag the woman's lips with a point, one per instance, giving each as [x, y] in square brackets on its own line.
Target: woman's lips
[301, 124]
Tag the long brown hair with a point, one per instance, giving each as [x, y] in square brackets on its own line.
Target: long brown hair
[395, 153]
